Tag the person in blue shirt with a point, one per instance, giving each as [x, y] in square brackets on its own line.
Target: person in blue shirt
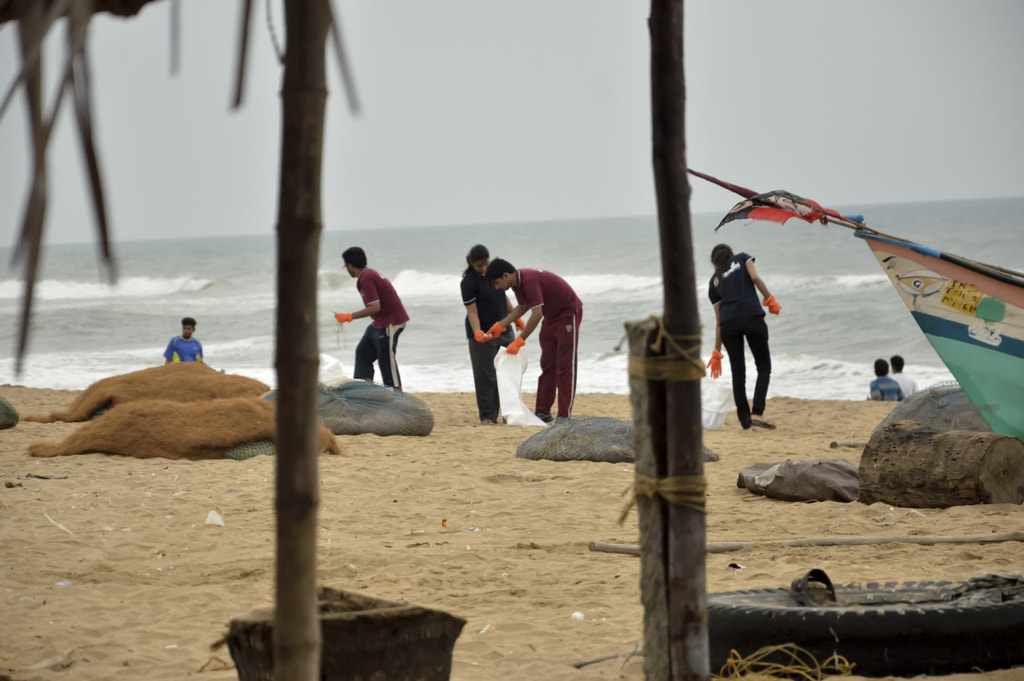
[884, 388]
[184, 348]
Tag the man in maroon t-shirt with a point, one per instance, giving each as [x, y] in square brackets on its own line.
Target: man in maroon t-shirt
[546, 296]
[380, 340]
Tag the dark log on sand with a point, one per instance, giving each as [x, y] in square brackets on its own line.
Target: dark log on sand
[924, 539]
[911, 465]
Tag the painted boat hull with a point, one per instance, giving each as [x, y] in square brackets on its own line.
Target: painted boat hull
[975, 323]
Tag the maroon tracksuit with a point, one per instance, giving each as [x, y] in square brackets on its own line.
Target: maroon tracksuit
[559, 335]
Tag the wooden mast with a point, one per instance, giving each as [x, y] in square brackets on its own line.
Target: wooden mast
[303, 101]
[676, 555]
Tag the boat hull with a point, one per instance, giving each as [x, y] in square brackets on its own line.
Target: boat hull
[974, 322]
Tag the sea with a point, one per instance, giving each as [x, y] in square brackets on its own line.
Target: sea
[839, 311]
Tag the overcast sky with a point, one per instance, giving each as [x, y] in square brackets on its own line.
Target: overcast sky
[485, 112]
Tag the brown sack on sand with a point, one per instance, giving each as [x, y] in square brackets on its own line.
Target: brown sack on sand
[147, 429]
[179, 382]
[818, 480]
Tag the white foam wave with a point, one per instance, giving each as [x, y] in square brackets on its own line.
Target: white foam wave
[615, 286]
[126, 287]
[331, 280]
[798, 376]
[836, 283]
[413, 284]
[62, 371]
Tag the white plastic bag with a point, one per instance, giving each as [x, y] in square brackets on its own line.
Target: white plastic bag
[715, 402]
[331, 370]
[510, 370]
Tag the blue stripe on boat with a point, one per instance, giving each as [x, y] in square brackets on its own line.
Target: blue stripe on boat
[923, 250]
[944, 328]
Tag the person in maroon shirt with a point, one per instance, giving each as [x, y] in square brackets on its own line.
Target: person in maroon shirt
[382, 304]
[546, 296]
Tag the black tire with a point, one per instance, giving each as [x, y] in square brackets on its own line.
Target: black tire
[884, 629]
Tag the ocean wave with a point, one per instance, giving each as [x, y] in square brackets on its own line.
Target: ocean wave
[835, 283]
[331, 280]
[797, 376]
[126, 287]
[414, 284]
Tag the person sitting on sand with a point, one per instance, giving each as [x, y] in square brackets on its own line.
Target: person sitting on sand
[184, 348]
[884, 388]
[546, 296]
[907, 384]
[380, 340]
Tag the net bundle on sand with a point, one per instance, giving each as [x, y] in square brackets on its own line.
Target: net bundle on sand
[586, 438]
[8, 414]
[943, 406]
[177, 382]
[358, 407]
[210, 429]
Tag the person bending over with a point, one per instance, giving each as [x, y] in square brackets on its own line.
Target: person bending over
[548, 299]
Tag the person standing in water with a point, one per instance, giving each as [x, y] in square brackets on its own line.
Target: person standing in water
[733, 292]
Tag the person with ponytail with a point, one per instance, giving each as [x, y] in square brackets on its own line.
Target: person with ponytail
[484, 306]
[733, 292]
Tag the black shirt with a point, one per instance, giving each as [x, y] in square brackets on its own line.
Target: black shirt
[736, 293]
[491, 304]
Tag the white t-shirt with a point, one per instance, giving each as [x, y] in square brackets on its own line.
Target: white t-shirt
[907, 384]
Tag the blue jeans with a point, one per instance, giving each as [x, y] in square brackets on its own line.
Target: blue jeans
[380, 346]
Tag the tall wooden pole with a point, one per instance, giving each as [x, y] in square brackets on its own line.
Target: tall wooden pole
[303, 101]
[684, 528]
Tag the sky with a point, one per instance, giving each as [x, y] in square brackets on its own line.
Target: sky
[486, 112]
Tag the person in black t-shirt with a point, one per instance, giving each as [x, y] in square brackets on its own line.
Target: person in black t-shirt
[485, 305]
[733, 291]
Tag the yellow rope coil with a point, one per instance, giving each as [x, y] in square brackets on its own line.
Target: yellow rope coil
[683, 490]
[686, 366]
[801, 665]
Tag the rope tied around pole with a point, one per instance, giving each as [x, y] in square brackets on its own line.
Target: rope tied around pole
[683, 490]
[686, 366]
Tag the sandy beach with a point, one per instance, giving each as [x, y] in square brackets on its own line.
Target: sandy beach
[110, 571]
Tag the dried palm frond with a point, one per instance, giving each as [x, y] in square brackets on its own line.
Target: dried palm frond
[34, 20]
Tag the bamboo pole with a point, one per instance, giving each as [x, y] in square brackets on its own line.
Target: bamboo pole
[303, 101]
[922, 539]
[683, 529]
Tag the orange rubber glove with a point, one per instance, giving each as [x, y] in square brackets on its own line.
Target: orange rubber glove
[520, 325]
[515, 346]
[343, 317]
[481, 337]
[772, 306]
[715, 363]
[496, 330]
